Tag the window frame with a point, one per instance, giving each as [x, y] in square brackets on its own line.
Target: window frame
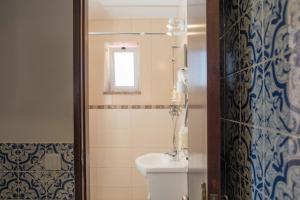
[112, 81]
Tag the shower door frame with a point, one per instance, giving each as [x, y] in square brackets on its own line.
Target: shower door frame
[80, 33]
[80, 100]
[213, 100]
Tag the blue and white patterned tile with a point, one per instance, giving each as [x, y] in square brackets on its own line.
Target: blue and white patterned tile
[66, 153]
[245, 6]
[233, 184]
[231, 13]
[246, 189]
[63, 188]
[288, 186]
[252, 96]
[276, 35]
[67, 156]
[29, 179]
[8, 157]
[8, 185]
[232, 98]
[251, 37]
[282, 167]
[232, 50]
[34, 185]
[31, 157]
[252, 156]
[282, 92]
[232, 137]
[258, 195]
[52, 148]
[294, 24]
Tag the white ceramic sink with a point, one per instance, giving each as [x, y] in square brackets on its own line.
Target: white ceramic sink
[167, 179]
[160, 163]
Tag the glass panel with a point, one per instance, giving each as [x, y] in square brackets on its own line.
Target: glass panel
[197, 123]
[124, 69]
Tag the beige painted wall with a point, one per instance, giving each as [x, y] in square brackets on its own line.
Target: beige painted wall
[36, 59]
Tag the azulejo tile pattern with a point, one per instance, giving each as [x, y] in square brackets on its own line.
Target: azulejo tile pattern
[260, 95]
[232, 97]
[276, 34]
[23, 174]
[8, 157]
[232, 144]
[231, 58]
[8, 185]
[251, 156]
[231, 12]
[252, 95]
[251, 37]
[282, 107]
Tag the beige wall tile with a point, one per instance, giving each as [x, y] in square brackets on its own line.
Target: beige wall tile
[114, 193]
[112, 157]
[142, 25]
[140, 193]
[93, 176]
[123, 25]
[111, 119]
[111, 138]
[138, 180]
[94, 193]
[156, 119]
[151, 138]
[161, 69]
[114, 177]
[159, 25]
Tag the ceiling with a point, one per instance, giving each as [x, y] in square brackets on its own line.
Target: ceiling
[105, 9]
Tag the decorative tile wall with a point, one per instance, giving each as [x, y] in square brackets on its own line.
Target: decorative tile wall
[24, 174]
[260, 97]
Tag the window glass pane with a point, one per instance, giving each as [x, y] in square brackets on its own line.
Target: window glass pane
[124, 69]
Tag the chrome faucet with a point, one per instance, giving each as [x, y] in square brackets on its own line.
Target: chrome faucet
[174, 155]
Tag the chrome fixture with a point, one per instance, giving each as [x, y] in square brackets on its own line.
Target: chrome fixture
[174, 155]
[176, 27]
[175, 108]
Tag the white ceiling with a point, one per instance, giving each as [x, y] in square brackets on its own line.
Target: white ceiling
[103, 9]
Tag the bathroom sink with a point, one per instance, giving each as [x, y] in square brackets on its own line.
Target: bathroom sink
[167, 178]
[160, 163]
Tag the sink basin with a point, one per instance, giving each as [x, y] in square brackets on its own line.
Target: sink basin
[160, 163]
[167, 179]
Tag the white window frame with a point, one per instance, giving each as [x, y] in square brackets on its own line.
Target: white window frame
[113, 87]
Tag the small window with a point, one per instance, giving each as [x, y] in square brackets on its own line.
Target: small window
[123, 67]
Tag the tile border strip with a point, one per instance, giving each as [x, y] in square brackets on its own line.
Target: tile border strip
[129, 106]
[91, 107]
